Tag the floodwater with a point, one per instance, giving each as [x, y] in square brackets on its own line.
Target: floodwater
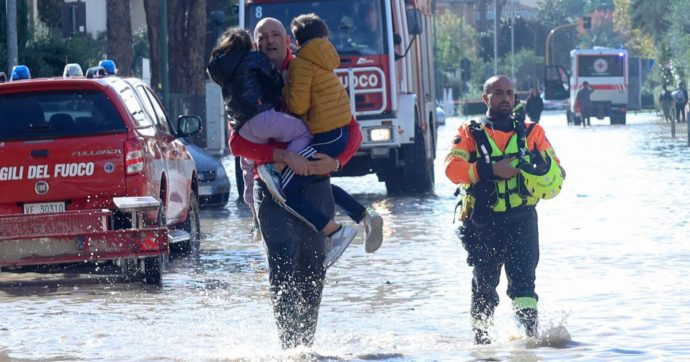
[612, 278]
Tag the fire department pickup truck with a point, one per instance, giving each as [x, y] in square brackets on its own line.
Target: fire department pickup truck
[92, 170]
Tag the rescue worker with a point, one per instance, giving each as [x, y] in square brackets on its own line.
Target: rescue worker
[503, 166]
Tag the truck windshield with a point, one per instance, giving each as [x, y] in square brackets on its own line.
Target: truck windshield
[57, 114]
[601, 65]
[356, 27]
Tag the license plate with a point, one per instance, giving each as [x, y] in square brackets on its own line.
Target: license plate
[44, 208]
[205, 190]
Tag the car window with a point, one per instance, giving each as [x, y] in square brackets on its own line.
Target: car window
[57, 114]
[134, 107]
[154, 109]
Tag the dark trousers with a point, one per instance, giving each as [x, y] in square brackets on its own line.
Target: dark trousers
[345, 201]
[295, 254]
[331, 143]
[512, 242]
[680, 112]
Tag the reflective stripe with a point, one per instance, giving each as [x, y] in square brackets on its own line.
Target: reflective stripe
[484, 324]
[524, 303]
[473, 173]
[507, 191]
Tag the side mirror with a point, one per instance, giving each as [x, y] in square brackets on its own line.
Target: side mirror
[414, 21]
[188, 125]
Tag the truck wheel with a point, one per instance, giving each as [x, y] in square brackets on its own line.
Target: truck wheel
[130, 270]
[192, 226]
[417, 174]
[618, 118]
[153, 270]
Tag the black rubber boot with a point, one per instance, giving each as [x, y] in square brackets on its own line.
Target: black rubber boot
[529, 318]
[481, 336]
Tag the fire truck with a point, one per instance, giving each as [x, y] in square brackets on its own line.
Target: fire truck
[606, 70]
[386, 64]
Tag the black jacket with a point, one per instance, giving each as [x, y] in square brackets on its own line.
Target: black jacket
[250, 84]
[534, 107]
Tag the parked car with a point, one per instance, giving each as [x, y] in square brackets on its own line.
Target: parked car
[94, 171]
[440, 114]
[554, 105]
[214, 184]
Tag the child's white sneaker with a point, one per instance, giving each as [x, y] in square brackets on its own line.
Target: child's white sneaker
[373, 230]
[271, 178]
[337, 243]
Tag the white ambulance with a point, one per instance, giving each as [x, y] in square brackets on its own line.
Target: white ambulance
[606, 71]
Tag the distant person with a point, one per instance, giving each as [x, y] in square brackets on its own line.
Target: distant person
[503, 167]
[535, 105]
[680, 98]
[583, 98]
[367, 36]
[665, 101]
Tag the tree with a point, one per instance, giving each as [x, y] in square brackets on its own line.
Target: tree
[187, 40]
[555, 13]
[151, 8]
[119, 35]
[635, 40]
[454, 40]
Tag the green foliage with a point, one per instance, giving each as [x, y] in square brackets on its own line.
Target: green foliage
[453, 41]
[678, 38]
[23, 33]
[47, 56]
[50, 13]
[528, 68]
[604, 35]
[554, 13]
[652, 17]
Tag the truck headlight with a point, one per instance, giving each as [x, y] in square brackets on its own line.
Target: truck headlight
[380, 134]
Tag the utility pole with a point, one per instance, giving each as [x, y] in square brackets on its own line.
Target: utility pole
[512, 42]
[495, 36]
[12, 52]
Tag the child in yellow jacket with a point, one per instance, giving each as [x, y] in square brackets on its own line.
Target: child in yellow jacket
[314, 92]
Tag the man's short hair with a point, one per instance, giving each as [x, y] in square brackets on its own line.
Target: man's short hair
[307, 27]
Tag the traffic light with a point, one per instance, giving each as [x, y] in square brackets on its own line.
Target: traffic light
[587, 22]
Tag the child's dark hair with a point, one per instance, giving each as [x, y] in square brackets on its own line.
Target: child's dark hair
[233, 39]
[307, 27]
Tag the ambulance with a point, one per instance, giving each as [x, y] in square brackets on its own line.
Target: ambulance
[606, 71]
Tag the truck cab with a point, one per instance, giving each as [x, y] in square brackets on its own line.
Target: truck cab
[386, 64]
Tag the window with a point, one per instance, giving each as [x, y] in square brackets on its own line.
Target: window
[134, 107]
[154, 108]
[57, 114]
[601, 65]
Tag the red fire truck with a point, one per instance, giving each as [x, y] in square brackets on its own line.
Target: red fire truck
[386, 63]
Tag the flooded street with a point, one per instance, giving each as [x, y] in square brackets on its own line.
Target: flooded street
[613, 270]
